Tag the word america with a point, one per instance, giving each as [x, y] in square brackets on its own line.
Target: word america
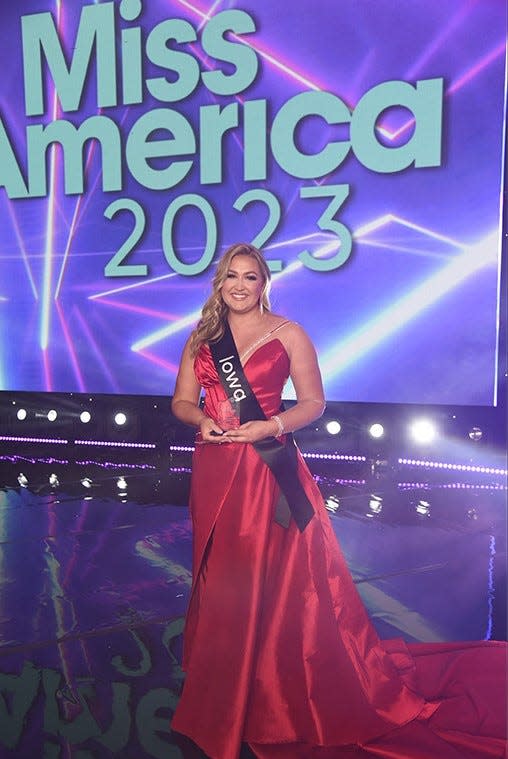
[164, 133]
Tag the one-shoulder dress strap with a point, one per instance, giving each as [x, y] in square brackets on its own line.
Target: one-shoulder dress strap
[264, 337]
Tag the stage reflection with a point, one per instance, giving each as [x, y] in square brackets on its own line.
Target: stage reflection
[96, 572]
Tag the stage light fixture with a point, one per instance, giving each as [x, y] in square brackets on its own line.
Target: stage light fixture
[86, 482]
[423, 431]
[475, 434]
[52, 415]
[333, 427]
[376, 504]
[472, 514]
[379, 468]
[121, 483]
[54, 481]
[120, 418]
[376, 430]
[21, 414]
[23, 480]
[332, 504]
[423, 508]
[85, 417]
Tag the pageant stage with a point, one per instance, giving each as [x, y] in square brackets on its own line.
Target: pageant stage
[95, 556]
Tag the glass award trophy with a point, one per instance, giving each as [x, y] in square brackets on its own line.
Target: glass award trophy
[229, 414]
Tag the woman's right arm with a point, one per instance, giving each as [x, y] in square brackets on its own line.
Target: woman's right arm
[185, 402]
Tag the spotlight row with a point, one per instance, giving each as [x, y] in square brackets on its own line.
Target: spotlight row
[421, 507]
[120, 418]
[420, 430]
[86, 482]
[334, 427]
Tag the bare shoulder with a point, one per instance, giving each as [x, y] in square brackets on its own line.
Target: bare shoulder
[188, 356]
[187, 349]
[276, 321]
[292, 335]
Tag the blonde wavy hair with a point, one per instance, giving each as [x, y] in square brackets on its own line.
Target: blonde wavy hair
[214, 313]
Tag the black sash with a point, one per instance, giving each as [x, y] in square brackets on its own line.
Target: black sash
[281, 459]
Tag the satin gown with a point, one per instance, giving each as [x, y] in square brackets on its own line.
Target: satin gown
[279, 651]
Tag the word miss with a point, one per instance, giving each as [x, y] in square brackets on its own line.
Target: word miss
[162, 145]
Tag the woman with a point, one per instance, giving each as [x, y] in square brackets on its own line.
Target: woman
[279, 653]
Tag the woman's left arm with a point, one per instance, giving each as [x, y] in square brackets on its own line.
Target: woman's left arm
[306, 378]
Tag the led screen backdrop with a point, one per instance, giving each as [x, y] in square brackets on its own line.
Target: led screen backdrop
[358, 142]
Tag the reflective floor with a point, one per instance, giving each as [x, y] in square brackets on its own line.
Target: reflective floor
[95, 577]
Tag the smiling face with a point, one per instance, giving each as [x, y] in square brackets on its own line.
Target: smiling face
[243, 285]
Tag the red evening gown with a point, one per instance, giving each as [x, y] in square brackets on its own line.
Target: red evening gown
[279, 652]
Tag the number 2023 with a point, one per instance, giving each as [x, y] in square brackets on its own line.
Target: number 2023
[117, 267]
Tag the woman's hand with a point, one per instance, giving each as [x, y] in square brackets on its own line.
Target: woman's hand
[210, 431]
[250, 432]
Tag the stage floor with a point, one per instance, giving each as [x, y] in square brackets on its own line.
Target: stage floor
[95, 583]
